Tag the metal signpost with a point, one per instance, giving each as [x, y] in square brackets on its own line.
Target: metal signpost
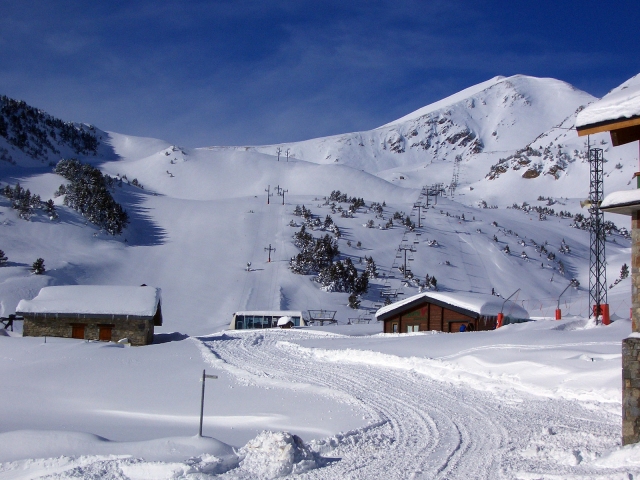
[204, 377]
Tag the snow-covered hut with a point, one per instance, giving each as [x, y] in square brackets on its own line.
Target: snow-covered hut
[285, 322]
[447, 312]
[93, 312]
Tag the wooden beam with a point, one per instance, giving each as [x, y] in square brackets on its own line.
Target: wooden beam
[625, 135]
[608, 126]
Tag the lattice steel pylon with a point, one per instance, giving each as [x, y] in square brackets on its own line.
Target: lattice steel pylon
[456, 174]
[597, 259]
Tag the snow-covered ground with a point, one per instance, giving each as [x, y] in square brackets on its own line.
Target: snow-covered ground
[534, 400]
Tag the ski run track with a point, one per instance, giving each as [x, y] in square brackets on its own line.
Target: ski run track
[421, 427]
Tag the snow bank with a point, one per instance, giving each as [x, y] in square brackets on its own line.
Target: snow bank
[625, 456]
[22, 444]
[569, 359]
[94, 299]
[622, 102]
[276, 454]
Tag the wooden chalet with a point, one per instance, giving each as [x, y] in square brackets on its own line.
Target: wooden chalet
[93, 312]
[448, 312]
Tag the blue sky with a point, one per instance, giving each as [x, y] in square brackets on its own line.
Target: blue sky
[257, 72]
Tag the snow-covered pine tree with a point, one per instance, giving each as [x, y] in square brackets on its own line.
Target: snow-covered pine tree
[624, 271]
[371, 268]
[328, 221]
[50, 209]
[354, 301]
[3, 259]
[38, 266]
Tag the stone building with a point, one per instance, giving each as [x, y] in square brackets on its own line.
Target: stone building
[619, 113]
[448, 312]
[93, 312]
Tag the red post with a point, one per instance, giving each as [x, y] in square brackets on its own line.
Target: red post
[603, 312]
[558, 314]
[500, 320]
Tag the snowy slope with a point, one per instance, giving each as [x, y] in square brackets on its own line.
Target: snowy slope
[202, 214]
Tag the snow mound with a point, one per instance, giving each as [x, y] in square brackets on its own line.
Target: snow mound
[627, 456]
[276, 454]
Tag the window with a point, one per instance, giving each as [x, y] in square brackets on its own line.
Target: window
[412, 328]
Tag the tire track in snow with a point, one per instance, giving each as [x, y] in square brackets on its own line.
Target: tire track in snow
[423, 428]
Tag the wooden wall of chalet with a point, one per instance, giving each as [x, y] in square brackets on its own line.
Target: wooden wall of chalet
[428, 316]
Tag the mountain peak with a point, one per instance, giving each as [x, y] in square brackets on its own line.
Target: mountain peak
[524, 84]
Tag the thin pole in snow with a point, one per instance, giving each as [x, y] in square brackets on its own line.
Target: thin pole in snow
[204, 377]
[283, 192]
[269, 249]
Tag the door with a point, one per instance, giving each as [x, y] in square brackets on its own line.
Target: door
[394, 327]
[77, 331]
[104, 334]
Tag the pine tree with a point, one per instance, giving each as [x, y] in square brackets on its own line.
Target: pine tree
[371, 268]
[3, 259]
[354, 301]
[38, 266]
[624, 271]
[50, 209]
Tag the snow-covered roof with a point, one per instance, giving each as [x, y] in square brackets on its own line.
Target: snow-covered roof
[94, 299]
[621, 103]
[482, 304]
[273, 313]
[284, 320]
[624, 202]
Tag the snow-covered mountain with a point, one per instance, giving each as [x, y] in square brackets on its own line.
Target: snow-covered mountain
[199, 215]
[528, 400]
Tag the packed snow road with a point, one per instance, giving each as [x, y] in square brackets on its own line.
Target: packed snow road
[425, 428]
